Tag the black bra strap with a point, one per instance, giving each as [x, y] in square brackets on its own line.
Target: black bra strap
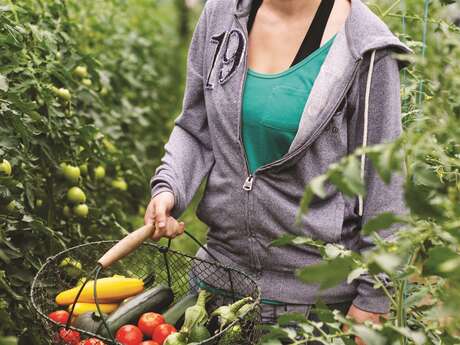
[312, 39]
[252, 14]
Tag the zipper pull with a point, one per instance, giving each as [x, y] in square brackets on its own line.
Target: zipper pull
[248, 183]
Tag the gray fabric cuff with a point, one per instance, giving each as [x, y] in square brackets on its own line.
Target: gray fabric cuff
[371, 300]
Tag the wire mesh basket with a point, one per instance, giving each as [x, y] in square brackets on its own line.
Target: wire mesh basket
[154, 264]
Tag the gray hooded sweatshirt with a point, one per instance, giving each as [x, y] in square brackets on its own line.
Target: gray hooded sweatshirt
[245, 213]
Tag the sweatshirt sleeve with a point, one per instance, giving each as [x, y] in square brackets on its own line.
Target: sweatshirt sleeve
[188, 155]
[384, 125]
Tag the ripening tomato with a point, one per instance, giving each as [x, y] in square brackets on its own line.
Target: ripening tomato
[149, 342]
[60, 316]
[129, 335]
[161, 332]
[69, 336]
[148, 322]
[91, 341]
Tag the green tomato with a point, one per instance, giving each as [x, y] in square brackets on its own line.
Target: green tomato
[84, 169]
[141, 211]
[66, 211]
[61, 93]
[81, 71]
[87, 82]
[39, 203]
[81, 210]
[120, 184]
[104, 91]
[72, 173]
[99, 172]
[12, 207]
[76, 195]
[70, 262]
[5, 168]
[109, 145]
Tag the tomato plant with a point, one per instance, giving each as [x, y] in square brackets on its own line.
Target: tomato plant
[66, 98]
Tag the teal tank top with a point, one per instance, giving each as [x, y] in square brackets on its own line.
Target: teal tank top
[273, 105]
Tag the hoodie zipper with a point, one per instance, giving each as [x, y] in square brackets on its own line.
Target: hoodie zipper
[247, 185]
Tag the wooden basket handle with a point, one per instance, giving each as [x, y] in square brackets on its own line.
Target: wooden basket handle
[127, 245]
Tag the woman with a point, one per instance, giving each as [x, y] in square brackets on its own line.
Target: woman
[265, 113]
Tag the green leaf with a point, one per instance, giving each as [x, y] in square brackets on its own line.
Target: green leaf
[327, 273]
[443, 262]
[356, 273]
[382, 221]
[387, 262]
[369, 336]
[284, 240]
[288, 318]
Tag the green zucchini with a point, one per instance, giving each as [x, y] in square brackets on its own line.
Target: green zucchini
[155, 299]
[177, 311]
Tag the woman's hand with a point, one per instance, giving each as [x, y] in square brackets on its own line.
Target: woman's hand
[360, 316]
[158, 212]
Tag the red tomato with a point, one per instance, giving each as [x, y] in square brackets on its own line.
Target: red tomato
[91, 341]
[161, 332]
[69, 336]
[129, 335]
[149, 342]
[148, 322]
[60, 316]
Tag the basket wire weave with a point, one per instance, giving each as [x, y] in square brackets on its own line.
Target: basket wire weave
[183, 273]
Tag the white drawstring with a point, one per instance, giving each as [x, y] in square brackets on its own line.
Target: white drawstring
[366, 120]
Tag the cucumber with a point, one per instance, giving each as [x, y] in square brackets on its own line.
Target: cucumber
[155, 299]
[177, 311]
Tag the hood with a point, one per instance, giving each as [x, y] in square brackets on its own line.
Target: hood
[364, 30]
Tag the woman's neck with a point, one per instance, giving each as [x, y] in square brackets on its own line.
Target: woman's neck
[291, 8]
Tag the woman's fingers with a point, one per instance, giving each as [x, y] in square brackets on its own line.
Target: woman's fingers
[158, 213]
[149, 216]
[172, 229]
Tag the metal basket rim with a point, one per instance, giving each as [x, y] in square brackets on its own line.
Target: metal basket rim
[52, 258]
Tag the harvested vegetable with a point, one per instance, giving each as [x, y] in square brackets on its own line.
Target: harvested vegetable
[228, 313]
[197, 314]
[60, 316]
[88, 322]
[162, 332]
[129, 335]
[82, 308]
[233, 336]
[148, 322]
[245, 309]
[178, 338]
[198, 334]
[108, 289]
[155, 299]
[177, 311]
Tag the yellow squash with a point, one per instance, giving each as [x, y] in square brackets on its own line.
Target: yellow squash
[81, 308]
[109, 290]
